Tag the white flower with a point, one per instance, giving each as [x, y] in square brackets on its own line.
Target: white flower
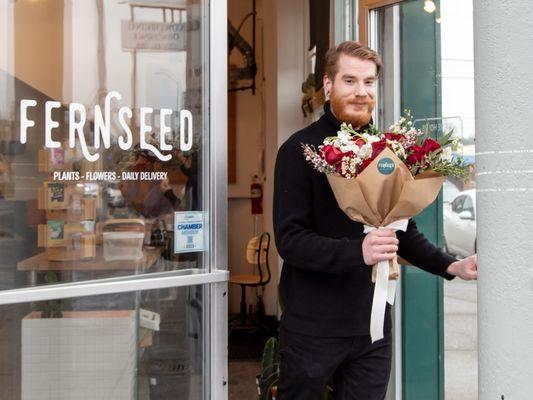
[371, 138]
[457, 144]
[446, 154]
[398, 149]
[365, 151]
[344, 137]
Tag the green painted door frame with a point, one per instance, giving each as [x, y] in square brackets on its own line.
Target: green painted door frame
[422, 306]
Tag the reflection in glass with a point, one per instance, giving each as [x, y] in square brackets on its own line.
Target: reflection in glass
[101, 131]
[145, 346]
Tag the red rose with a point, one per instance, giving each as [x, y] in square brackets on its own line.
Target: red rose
[377, 147]
[333, 155]
[326, 148]
[360, 142]
[394, 136]
[366, 163]
[416, 155]
[430, 145]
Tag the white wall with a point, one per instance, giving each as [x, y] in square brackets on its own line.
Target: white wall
[292, 47]
[249, 143]
[282, 58]
[503, 46]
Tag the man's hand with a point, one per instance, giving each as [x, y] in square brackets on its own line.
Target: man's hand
[465, 269]
[380, 245]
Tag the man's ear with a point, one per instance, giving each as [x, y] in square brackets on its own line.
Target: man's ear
[327, 83]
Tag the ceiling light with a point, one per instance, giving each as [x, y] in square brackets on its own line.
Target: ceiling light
[429, 6]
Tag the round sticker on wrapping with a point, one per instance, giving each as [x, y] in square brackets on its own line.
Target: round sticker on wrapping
[386, 166]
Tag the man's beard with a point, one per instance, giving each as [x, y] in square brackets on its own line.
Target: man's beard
[357, 119]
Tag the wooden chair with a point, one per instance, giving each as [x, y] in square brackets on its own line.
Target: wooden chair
[256, 255]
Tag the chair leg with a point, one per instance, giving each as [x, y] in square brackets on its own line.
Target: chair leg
[244, 313]
[243, 316]
[260, 325]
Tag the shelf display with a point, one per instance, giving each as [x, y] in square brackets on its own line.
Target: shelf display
[70, 229]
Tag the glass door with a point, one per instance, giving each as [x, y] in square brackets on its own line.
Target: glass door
[113, 200]
[407, 35]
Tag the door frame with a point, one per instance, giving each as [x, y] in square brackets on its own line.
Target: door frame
[407, 362]
[365, 9]
[217, 299]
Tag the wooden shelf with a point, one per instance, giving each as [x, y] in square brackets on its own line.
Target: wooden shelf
[40, 262]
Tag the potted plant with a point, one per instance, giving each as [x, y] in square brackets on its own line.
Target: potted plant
[267, 381]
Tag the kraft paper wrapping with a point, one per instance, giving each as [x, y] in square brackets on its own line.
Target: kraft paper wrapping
[385, 194]
[377, 199]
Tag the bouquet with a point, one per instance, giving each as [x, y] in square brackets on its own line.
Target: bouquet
[349, 153]
[382, 179]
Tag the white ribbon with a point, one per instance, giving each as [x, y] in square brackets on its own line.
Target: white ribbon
[385, 289]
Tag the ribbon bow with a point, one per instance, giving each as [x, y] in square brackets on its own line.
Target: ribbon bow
[385, 289]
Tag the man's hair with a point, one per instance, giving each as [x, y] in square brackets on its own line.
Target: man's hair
[352, 49]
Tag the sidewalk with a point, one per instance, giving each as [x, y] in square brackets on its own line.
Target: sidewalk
[460, 335]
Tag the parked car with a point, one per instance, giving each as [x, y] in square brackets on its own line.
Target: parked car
[449, 191]
[460, 224]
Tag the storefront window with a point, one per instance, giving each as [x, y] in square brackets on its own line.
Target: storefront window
[139, 345]
[102, 126]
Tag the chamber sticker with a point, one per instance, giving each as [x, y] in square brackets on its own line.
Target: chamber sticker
[189, 231]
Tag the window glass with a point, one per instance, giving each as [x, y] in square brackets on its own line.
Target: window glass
[102, 125]
[457, 204]
[140, 345]
[468, 205]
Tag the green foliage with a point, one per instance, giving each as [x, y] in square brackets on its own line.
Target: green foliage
[51, 308]
[269, 369]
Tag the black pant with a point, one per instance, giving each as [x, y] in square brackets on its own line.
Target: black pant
[358, 369]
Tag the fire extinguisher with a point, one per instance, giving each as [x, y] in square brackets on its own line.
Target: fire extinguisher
[256, 196]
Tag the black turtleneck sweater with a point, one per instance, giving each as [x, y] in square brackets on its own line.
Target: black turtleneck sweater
[325, 287]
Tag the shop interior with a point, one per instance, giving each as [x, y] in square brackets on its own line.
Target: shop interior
[272, 94]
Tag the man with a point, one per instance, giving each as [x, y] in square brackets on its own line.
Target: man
[326, 289]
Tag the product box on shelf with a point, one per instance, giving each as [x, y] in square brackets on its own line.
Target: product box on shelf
[123, 239]
[83, 355]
